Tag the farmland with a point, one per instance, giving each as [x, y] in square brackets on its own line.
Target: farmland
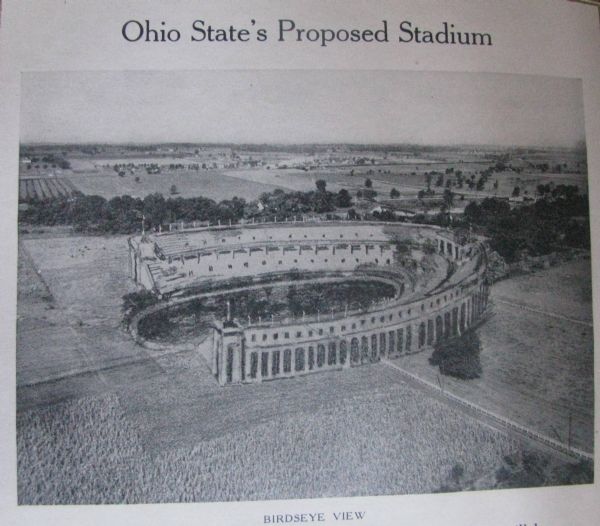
[210, 184]
[38, 188]
[222, 172]
[102, 450]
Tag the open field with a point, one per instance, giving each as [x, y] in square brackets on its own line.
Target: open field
[68, 313]
[280, 440]
[212, 184]
[248, 172]
[537, 361]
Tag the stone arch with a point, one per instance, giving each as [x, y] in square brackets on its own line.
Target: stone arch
[275, 362]
[454, 321]
[439, 328]
[311, 358]
[299, 359]
[253, 365]
[264, 364]
[400, 340]
[354, 351]
[382, 344]
[447, 325]
[331, 354]
[422, 334]
[320, 355]
[430, 332]
[343, 352]
[364, 349]
[229, 363]
[287, 361]
[408, 338]
[373, 347]
[391, 342]
[462, 317]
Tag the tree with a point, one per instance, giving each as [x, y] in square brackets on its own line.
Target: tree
[516, 191]
[459, 357]
[448, 198]
[394, 194]
[173, 190]
[321, 185]
[343, 199]
[368, 183]
[428, 177]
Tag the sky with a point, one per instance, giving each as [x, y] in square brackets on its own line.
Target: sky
[301, 106]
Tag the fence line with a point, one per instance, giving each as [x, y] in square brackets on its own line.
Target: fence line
[497, 419]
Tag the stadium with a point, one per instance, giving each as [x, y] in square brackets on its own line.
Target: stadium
[438, 279]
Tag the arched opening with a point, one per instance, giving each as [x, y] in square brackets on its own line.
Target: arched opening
[373, 347]
[229, 368]
[264, 364]
[331, 357]
[299, 359]
[439, 328]
[320, 355]
[287, 361]
[343, 352]
[364, 349]
[275, 364]
[454, 321]
[430, 332]
[253, 365]
[422, 334]
[354, 351]
[400, 340]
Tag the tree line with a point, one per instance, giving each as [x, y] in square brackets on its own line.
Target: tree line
[126, 214]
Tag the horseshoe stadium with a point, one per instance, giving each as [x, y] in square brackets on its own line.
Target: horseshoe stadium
[427, 284]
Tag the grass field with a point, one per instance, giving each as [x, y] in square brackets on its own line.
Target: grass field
[69, 302]
[374, 437]
[537, 361]
[211, 184]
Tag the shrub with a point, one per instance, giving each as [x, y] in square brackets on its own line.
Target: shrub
[459, 357]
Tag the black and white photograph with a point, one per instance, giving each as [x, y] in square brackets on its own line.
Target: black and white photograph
[242, 285]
